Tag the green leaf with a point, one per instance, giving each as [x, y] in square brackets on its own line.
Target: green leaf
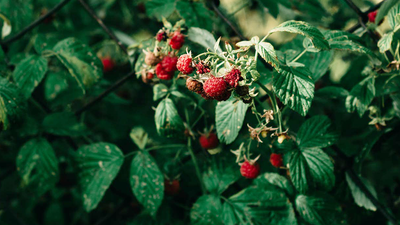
[159, 91]
[318, 209]
[37, 164]
[63, 124]
[295, 88]
[10, 102]
[168, 121]
[160, 8]
[219, 175]
[230, 215]
[229, 119]
[394, 16]
[384, 9]
[318, 63]
[359, 196]
[385, 43]
[195, 14]
[311, 168]
[20, 13]
[314, 133]
[275, 179]
[203, 38]
[3, 64]
[305, 29]
[6, 29]
[99, 164]
[29, 73]
[332, 92]
[267, 52]
[264, 205]
[81, 62]
[147, 181]
[139, 136]
[206, 210]
[272, 6]
[361, 96]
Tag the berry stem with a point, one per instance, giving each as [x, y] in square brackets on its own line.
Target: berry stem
[300, 55]
[196, 166]
[275, 106]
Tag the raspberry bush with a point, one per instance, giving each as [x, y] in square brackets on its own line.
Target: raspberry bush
[199, 112]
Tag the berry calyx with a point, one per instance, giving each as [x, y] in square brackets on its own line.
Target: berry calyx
[177, 40]
[215, 86]
[372, 16]
[171, 187]
[184, 64]
[209, 141]
[169, 63]
[162, 74]
[108, 64]
[233, 77]
[276, 160]
[194, 85]
[250, 170]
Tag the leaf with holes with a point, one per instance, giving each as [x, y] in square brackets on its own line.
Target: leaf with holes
[168, 121]
[361, 96]
[81, 62]
[305, 29]
[147, 181]
[99, 164]
[295, 88]
[37, 165]
[29, 73]
[229, 119]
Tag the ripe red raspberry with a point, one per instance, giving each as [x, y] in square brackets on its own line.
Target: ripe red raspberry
[249, 170]
[161, 35]
[177, 40]
[147, 77]
[215, 86]
[276, 160]
[184, 64]
[171, 187]
[162, 74]
[194, 85]
[108, 64]
[169, 63]
[209, 141]
[201, 68]
[233, 77]
[372, 16]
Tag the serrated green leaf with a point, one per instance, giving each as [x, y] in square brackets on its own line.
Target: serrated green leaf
[81, 62]
[29, 73]
[299, 172]
[99, 164]
[160, 8]
[206, 210]
[318, 63]
[168, 121]
[267, 52]
[384, 9]
[275, 179]
[318, 209]
[264, 206]
[219, 175]
[295, 88]
[203, 38]
[10, 102]
[64, 124]
[230, 215]
[37, 164]
[385, 43]
[195, 14]
[361, 96]
[359, 196]
[6, 29]
[159, 91]
[272, 7]
[332, 92]
[394, 16]
[305, 29]
[139, 136]
[147, 181]
[229, 119]
[314, 133]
